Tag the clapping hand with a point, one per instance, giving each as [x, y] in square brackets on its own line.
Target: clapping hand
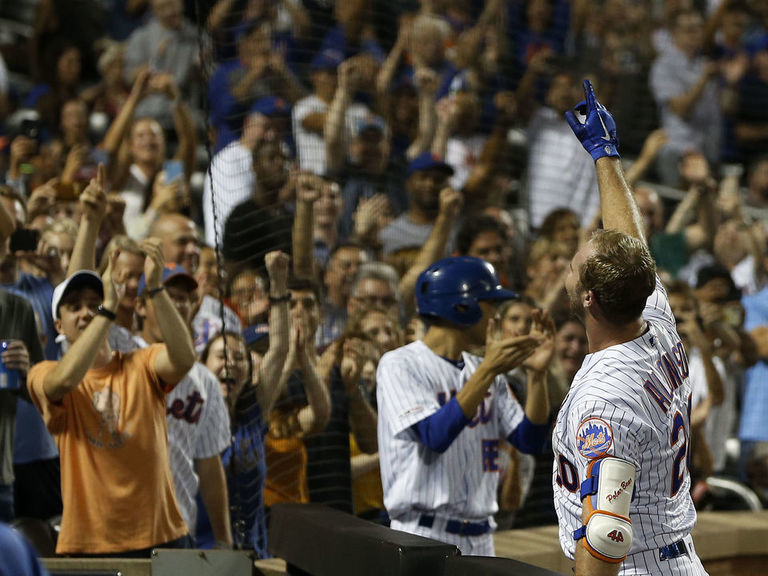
[113, 290]
[543, 327]
[505, 354]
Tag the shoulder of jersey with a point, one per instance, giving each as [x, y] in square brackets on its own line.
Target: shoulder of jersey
[409, 352]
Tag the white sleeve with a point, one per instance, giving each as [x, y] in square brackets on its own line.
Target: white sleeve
[3, 76]
[602, 426]
[402, 398]
[214, 435]
[509, 409]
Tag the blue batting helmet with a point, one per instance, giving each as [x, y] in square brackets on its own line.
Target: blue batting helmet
[452, 288]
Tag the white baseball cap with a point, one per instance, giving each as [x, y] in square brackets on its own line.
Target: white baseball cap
[80, 279]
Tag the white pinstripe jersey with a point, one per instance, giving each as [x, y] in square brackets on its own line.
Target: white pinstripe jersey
[412, 383]
[198, 427]
[631, 401]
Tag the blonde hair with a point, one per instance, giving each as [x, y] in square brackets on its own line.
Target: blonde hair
[124, 243]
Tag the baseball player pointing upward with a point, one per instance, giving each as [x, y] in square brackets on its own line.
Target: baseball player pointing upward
[622, 438]
[443, 410]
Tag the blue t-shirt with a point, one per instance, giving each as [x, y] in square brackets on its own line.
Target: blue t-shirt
[246, 469]
[39, 292]
[33, 441]
[754, 425]
[17, 556]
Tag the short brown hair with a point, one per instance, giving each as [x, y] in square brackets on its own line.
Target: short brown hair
[621, 273]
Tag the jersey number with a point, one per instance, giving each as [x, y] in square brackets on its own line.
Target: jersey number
[567, 475]
[616, 536]
[679, 425]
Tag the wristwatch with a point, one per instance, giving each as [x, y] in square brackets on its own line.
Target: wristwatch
[152, 292]
[107, 313]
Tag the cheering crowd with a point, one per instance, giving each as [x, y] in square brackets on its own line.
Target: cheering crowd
[214, 215]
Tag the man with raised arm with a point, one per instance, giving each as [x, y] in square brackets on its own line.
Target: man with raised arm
[106, 411]
[622, 437]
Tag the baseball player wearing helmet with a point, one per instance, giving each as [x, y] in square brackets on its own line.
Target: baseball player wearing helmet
[443, 410]
[622, 436]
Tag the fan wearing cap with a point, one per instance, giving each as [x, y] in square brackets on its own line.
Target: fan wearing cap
[443, 410]
[428, 174]
[197, 418]
[107, 413]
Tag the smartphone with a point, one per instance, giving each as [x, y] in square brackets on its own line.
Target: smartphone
[173, 169]
[25, 240]
[67, 191]
[30, 128]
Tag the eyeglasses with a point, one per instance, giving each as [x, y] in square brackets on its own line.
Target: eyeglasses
[308, 302]
[383, 301]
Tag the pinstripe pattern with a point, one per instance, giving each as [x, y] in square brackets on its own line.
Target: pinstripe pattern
[189, 439]
[453, 484]
[610, 386]
[559, 173]
[469, 545]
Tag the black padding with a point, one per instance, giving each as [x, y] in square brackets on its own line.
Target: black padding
[485, 566]
[321, 541]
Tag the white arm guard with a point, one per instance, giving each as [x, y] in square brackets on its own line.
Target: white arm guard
[609, 487]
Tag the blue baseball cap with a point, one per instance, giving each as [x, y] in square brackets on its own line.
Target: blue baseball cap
[270, 106]
[369, 123]
[245, 28]
[255, 332]
[326, 60]
[172, 273]
[758, 45]
[429, 161]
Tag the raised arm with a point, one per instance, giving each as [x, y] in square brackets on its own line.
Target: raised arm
[119, 128]
[362, 417]
[178, 355]
[184, 125]
[279, 327]
[593, 125]
[434, 247]
[701, 197]
[391, 64]
[313, 417]
[334, 131]
[426, 84]
[491, 158]
[93, 201]
[307, 193]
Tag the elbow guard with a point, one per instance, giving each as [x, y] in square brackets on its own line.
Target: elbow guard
[607, 493]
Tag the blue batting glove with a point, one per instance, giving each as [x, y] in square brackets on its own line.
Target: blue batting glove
[594, 125]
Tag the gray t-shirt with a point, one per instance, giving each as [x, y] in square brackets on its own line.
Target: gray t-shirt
[672, 75]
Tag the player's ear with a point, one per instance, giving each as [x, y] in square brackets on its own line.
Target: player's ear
[589, 300]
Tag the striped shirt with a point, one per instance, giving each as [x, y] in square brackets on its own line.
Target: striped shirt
[631, 401]
[413, 383]
[560, 173]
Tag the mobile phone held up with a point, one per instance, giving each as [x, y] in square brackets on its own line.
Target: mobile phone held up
[68, 191]
[174, 169]
[24, 240]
